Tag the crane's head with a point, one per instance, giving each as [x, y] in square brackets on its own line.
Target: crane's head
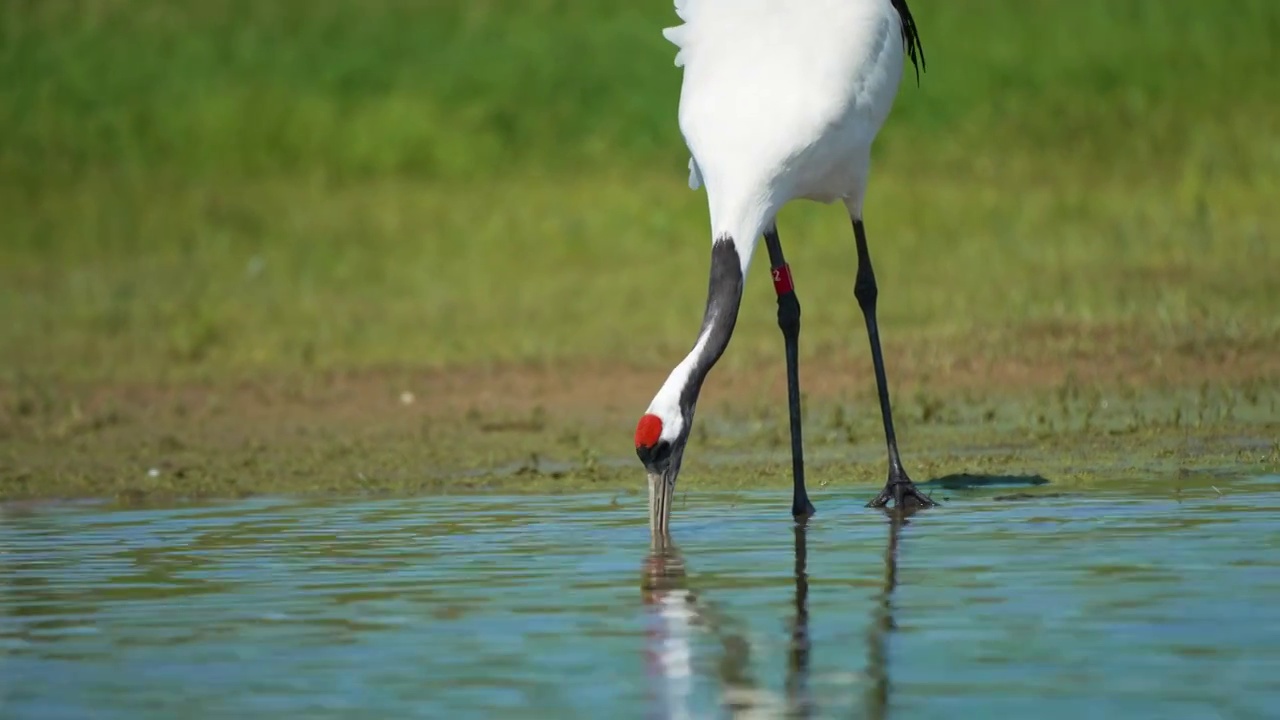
[661, 436]
[663, 431]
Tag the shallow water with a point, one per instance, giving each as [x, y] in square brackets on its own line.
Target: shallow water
[1097, 605]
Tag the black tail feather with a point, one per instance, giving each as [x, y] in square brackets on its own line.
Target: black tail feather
[910, 37]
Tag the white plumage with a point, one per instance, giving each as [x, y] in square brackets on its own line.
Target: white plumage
[781, 100]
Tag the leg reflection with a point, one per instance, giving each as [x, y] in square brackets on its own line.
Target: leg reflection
[876, 701]
[798, 699]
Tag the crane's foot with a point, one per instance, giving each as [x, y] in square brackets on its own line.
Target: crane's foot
[802, 509]
[903, 494]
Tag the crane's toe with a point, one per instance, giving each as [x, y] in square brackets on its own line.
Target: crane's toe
[903, 494]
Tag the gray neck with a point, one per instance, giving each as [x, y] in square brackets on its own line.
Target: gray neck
[724, 293]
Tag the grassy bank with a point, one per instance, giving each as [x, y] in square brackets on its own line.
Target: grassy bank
[203, 196]
[232, 186]
[346, 89]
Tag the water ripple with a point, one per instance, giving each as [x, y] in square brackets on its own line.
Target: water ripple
[559, 607]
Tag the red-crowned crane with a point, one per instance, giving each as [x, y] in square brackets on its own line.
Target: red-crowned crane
[781, 100]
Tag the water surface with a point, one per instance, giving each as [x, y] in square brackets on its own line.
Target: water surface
[1099, 605]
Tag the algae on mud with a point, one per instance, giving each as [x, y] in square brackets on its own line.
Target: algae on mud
[535, 431]
[225, 258]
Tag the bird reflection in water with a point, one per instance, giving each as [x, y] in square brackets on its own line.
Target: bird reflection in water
[676, 614]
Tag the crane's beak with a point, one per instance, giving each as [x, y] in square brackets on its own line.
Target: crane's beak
[662, 461]
[662, 489]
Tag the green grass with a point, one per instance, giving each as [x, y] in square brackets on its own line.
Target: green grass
[225, 187]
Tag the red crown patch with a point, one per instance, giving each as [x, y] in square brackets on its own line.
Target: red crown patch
[648, 430]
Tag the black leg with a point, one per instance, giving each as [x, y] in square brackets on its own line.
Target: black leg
[798, 696]
[789, 322]
[899, 488]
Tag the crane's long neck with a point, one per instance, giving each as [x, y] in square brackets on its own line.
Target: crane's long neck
[729, 259]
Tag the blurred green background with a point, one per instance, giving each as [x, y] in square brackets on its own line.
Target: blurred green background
[225, 187]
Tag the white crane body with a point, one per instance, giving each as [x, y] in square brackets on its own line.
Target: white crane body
[780, 100]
